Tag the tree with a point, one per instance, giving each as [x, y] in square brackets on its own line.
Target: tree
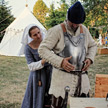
[5, 19]
[40, 10]
[95, 12]
[96, 15]
[56, 16]
[63, 6]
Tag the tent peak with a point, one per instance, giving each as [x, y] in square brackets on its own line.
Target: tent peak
[26, 5]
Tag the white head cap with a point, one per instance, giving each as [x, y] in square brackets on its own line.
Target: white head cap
[26, 38]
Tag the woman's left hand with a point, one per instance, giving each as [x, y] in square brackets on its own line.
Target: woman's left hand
[87, 62]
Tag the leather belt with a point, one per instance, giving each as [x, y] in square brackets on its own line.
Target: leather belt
[75, 72]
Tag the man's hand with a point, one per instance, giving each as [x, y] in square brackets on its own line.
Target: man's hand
[66, 65]
[87, 62]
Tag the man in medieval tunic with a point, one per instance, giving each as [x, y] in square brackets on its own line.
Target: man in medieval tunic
[70, 48]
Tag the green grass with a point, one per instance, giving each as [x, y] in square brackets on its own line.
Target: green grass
[13, 79]
[14, 75]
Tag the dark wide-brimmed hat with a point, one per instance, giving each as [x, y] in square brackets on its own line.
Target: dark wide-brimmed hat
[76, 13]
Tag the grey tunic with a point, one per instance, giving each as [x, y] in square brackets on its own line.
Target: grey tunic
[34, 95]
[55, 41]
[74, 46]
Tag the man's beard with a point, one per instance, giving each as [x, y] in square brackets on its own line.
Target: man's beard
[74, 29]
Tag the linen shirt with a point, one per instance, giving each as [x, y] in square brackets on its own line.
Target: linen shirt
[54, 44]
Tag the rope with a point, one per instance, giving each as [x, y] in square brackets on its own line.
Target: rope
[9, 16]
[2, 31]
[5, 19]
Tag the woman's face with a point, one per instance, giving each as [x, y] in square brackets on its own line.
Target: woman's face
[36, 35]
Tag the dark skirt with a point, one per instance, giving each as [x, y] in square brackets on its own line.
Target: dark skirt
[34, 95]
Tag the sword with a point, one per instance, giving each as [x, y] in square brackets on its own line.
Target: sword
[67, 89]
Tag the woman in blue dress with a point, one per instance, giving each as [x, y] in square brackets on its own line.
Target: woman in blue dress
[40, 71]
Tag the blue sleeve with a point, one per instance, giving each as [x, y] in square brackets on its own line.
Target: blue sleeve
[29, 55]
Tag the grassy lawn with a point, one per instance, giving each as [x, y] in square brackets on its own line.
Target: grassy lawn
[14, 75]
[13, 79]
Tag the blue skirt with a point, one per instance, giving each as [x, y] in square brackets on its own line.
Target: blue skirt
[34, 95]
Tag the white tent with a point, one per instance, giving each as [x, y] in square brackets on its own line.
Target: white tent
[11, 42]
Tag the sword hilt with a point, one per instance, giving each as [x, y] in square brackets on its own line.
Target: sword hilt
[67, 89]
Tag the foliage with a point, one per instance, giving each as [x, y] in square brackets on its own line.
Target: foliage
[5, 19]
[63, 7]
[55, 17]
[94, 32]
[96, 13]
[40, 10]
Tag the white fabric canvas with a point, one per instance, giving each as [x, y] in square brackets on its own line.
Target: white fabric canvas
[11, 42]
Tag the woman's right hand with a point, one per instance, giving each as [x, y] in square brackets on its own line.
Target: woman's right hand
[43, 61]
